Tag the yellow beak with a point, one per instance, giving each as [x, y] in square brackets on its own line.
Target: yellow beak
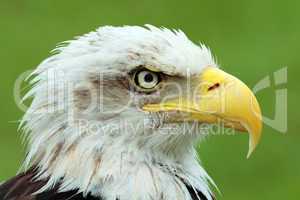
[217, 96]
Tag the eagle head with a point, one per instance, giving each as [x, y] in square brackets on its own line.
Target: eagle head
[116, 113]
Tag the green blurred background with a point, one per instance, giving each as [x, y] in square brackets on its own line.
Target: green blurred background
[251, 39]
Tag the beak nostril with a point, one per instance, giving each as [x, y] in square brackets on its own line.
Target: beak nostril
[214, 86]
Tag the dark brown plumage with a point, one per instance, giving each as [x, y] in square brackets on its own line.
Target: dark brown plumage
[23, 187]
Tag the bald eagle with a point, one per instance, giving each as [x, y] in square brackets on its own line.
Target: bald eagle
[115, 115]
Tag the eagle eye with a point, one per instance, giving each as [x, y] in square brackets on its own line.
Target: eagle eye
[146, 80]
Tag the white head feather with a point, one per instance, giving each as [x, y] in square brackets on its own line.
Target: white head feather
[113, 150]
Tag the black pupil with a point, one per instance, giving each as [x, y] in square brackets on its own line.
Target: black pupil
[148, 78]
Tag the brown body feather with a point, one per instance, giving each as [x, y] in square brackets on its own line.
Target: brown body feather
[23, 187]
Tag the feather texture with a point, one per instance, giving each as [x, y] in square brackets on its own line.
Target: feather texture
[108, 147]
[24, 187]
